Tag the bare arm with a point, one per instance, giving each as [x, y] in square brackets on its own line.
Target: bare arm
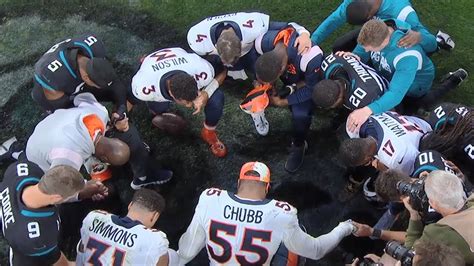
[163, 261]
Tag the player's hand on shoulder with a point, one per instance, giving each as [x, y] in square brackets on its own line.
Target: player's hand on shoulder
[94, 190]
[303, 42]
[342, 53]
[410, 39]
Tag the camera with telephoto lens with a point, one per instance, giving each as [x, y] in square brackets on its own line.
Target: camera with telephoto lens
[368, 262]
[399, 252]
[416, 191]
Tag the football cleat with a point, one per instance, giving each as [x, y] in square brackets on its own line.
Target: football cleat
[296, 157]
[162, 176]
[10, 149]
[458, 76]
[217, 147]
[261, 123]
[444, 41]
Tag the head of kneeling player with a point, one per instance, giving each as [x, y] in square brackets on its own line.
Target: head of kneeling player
[329, 94]
[57, 185]
[358, 152]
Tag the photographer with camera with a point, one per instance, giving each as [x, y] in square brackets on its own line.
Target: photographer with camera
[392, 185]
[424, 253]
[446, 196]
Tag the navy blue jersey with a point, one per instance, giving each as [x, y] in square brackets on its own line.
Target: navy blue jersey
[30, 233]
[305, 67]
[448, 114]
[363, 84]
[57, 68]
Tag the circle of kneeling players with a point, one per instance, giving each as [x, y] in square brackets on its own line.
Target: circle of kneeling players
[377, 77]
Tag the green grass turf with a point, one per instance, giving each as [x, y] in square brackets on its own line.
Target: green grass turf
[130, 28]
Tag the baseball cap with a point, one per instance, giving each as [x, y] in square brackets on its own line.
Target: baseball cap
[258, 167]
[429, 161]
[101, 72]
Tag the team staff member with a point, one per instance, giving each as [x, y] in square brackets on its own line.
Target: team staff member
[246, 228]
[347, 82]
[410, 71]
[30, 219]
[232, 36]
[447, 197]
[357, 12]
[280, 59]
[140, 244]
[174, 75]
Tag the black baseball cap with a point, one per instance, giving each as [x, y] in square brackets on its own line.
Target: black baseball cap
[101, 72]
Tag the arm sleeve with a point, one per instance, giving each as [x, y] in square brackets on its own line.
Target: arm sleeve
[119, 94]
[330, 24]
[307, 246]
[312, 76]
[194, 239]
[414, 232]
[428, 40]
[277, 25]
[405, 73]
[364, 56]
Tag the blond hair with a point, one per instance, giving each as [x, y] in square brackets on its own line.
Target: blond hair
[373, 33]
[61, 180]
[228, 46]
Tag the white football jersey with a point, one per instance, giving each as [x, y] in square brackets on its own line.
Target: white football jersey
[146, 82]
[251, 25]
[240, 231]
[110, 240]
[398, 139]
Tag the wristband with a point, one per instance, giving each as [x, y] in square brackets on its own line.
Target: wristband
[376, 233]
[212, 87]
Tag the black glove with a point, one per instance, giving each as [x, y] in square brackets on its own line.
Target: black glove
[286, 90]
[122, 112]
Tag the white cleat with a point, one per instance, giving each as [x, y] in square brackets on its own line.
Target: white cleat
[444, 41]
[261, 124]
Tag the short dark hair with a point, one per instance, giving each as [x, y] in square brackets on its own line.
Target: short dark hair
[386, 184]
[434, 253]
[325, 93]
[268, 66]
[352, 152]
[358, 12]
[149, 200]
[61, 180]
[183, 86]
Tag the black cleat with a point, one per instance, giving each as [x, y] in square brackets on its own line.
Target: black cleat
[296, 157]
[457, 76]
[163, 176]
[10, 149]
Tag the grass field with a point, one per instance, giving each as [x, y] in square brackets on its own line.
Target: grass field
[135, 27]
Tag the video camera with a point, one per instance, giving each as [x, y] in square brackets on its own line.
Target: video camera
[399, 252]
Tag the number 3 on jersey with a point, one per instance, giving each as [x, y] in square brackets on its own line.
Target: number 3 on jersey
[99, 249]
[218, 232]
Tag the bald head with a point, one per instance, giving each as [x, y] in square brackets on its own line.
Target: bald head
[112, 150]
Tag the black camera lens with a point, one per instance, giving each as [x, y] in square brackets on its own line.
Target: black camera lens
[399, 252]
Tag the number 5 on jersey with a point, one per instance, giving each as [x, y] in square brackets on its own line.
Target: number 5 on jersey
[219, 232]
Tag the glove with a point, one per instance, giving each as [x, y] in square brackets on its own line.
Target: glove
[286, 90]
[122, 112]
